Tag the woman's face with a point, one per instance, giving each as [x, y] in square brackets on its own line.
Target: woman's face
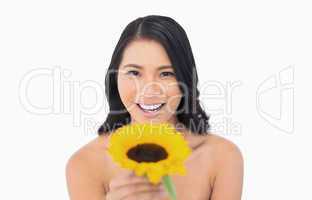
[147, 84]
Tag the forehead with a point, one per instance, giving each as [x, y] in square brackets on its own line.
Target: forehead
[145, 52]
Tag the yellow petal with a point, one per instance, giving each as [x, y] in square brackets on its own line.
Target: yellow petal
[141, 169]
[164, 135]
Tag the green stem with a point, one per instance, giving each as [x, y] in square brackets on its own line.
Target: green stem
[169, 187]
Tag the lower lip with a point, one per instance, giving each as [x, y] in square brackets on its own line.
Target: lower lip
[150, 113]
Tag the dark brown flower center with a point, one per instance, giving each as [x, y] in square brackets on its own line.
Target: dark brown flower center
[147, 152]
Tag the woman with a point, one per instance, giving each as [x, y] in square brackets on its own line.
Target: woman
[152, 78]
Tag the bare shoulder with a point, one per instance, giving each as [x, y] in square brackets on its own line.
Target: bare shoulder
[221, 145]
[227, 162]
[216, 150]
[223, 150]
[85, 170]
[89, 154]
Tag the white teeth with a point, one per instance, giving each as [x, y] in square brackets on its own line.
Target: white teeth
[150, 107]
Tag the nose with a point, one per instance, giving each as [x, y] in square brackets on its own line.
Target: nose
[151, 89]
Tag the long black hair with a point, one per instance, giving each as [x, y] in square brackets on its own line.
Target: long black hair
[172, 36]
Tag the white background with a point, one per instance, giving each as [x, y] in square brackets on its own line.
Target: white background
[255, 44]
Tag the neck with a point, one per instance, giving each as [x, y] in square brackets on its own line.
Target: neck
[178, 126]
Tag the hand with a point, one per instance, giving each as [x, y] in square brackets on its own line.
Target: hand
[128, 186]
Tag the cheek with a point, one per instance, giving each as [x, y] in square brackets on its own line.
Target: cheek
[127, 90]
[174, 97]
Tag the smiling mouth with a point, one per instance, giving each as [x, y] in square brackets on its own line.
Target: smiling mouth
[150, 108]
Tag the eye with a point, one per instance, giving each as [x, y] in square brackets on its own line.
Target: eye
[134, 72]
[167, 73]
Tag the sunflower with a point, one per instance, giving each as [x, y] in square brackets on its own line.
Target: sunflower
[154, 150]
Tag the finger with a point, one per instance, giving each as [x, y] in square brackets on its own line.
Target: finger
[122, 181]
[143, 195]
[122, 175]
[128, 190]
[125, 173]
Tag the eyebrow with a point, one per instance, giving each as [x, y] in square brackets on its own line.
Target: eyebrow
[140, 67]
